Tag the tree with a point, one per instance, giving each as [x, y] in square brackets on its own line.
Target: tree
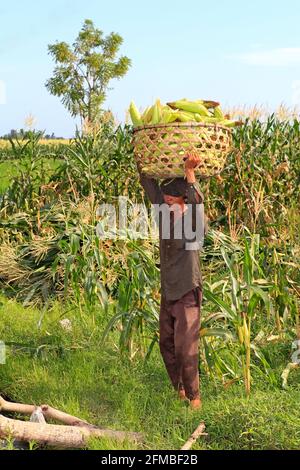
[84, 70]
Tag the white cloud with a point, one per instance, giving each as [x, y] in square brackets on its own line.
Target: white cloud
[281, 57]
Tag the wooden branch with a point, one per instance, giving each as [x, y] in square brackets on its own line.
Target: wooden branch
[16, 407]
[197, 433]
[48, 412]
[59, 436]
[74, 433]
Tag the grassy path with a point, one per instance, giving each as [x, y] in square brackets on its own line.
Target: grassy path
[72, 372]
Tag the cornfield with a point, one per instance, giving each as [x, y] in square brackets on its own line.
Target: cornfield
[50, 249]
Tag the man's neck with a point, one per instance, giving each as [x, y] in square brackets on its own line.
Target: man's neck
[178, 210]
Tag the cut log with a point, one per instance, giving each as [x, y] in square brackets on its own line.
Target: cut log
[197, 433]
[57, 435]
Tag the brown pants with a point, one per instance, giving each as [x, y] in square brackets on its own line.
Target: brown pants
[179, 324]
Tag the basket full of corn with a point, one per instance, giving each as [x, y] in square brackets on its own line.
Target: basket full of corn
[163, 134]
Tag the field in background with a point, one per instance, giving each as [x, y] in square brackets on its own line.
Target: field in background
[5, 143]
[262, 112]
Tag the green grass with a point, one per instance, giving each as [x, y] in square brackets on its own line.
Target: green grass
[73, 373]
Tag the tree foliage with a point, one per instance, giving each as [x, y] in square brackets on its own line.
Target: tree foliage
[83, 71]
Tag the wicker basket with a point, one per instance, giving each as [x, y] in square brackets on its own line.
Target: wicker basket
[160, 149]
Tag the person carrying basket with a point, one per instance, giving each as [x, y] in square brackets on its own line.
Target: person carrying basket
[180, 204]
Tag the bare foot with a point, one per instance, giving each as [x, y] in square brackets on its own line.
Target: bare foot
[196, 404]
[181, 394]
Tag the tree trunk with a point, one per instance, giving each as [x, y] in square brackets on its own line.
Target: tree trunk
[60, 436]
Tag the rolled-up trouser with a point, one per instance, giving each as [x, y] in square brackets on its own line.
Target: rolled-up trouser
[179, 324]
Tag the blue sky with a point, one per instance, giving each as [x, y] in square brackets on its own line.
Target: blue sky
[235, 52]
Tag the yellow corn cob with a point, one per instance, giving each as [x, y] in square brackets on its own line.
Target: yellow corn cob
[246, 330]
[184, 116]
[229, 123]
[190, 106]
[172, 116]
[208, 119]
[240, 334]
[157, 112]
[218, 113]
[168, 115]
[145, 114]
[135, 115]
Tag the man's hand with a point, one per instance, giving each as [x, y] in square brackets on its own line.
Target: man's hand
[192, 161]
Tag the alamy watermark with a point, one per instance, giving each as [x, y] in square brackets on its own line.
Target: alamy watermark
[129, 220]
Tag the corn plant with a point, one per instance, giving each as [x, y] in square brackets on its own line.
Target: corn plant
[136, 310]
[261, 177]
[246, 295]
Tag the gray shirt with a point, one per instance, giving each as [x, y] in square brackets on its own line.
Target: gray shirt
[179, 267]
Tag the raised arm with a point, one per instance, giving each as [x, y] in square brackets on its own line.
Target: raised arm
[194, 194]
[151, 188]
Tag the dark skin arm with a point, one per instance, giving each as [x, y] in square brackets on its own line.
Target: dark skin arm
[193, 160]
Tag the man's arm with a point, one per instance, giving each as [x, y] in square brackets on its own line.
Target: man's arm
[151, 188]
[194, 194]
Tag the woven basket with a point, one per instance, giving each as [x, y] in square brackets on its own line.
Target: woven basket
[160, 149]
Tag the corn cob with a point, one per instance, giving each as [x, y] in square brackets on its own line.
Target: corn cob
[218, 113]
[168, 115]
[209, 119]
[210, 104]
[229, 123]
[190, 106]
[184, 116]
[183, 111]
[157, 112]
[135, 115]
[172, 117]
[147, 115]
